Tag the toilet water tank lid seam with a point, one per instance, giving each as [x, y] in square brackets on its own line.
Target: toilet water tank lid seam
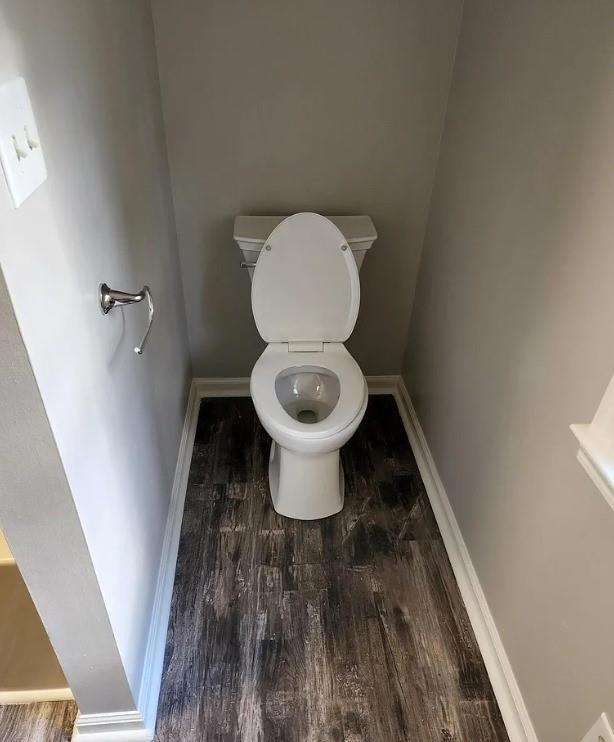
[256, 229]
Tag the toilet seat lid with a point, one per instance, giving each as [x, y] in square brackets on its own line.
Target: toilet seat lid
[305, 286]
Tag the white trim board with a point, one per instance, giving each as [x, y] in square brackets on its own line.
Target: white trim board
[239, 386]
[151, 677]
[15, 697]
[597, 443]
[382, 384]
[139, 726]
[595, 455]
[120, 726]
[511, 704]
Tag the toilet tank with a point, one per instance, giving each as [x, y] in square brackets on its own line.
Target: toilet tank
[251, 232]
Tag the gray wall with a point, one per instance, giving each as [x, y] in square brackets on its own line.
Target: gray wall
[511, 337]
[276, 107]
[38, 512]
[105, 213]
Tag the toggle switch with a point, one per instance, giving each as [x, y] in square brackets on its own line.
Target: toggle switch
[20, 151]
[32, 143]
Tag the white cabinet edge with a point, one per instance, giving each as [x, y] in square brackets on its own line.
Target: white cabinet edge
[601, 730]
[596, 454]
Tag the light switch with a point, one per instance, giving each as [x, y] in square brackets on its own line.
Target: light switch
[21, 153]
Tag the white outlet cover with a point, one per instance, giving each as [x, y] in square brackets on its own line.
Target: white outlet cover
[21, 153]
[601, 731]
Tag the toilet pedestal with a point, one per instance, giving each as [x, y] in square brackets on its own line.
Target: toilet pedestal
[305, 487]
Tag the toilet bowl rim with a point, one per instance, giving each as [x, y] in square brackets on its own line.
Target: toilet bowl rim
[337, 360]
[317, 446]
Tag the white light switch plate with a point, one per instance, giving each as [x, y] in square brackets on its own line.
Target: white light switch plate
[21, 153]
[601, 731]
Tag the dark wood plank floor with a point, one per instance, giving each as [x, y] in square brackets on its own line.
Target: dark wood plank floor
[37, 722]
[350, 628]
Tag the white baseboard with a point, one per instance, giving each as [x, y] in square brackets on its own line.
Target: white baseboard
[15, 697]
[121, 726]
[237, 386]
[382, 384]
[505, 687]
[113, 735]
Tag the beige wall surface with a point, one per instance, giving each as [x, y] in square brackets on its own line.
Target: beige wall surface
[104, 214]
[276, 107]
[27, 659]
[511, 337]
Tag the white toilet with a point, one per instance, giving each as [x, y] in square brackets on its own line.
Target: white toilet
[308, 391]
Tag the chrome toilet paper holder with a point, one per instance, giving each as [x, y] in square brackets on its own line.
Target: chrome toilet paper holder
[110, 298]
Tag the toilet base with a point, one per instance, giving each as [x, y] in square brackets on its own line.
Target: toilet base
[305, 487]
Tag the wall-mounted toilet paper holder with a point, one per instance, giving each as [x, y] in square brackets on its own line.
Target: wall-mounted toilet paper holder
[110, 298]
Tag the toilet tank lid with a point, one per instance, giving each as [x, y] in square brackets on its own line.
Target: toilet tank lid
[355, 229]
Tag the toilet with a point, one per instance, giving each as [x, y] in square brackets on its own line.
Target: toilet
[309, 393]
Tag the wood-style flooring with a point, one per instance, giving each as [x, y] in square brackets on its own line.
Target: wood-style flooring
[37, 722]
[347, 629]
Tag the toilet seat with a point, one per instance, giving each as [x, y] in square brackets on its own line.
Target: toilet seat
[305, 286]
[277, 358]
[305, 299]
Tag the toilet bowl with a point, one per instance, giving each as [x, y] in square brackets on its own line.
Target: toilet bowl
[309, 393]
[310, 404]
